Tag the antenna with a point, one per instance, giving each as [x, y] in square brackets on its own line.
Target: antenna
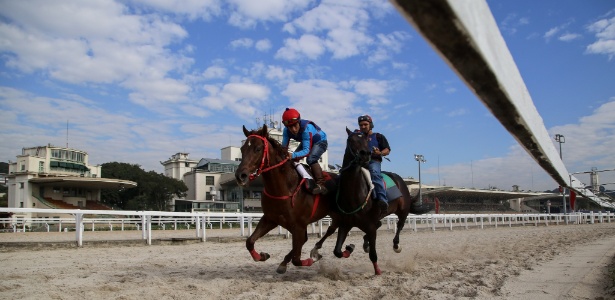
[66, 133]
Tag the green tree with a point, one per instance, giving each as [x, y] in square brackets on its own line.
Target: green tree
[4, 168]
[154, 191]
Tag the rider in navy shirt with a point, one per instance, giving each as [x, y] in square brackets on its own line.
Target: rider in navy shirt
[380, 147]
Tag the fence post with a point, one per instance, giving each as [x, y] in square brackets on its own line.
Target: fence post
[197, 223]
[204, 235]
[149, 229]
[78, 230]
[143, 227]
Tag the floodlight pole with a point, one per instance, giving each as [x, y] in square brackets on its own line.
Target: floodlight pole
[420, 159]
[561, 139]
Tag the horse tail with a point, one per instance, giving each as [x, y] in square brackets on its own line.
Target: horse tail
[415, 207]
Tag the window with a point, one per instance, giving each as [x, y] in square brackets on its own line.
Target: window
[41, 166]
[23, 166]
[187, 165]
[209, 180]
[21, 185]
[20, 204]
[208, 196]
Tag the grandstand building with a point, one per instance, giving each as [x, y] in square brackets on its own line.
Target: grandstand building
[49, 177]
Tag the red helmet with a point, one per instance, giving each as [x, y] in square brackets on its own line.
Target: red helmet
[290, 117]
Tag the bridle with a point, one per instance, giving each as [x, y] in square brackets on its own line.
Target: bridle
[260, 169]
[356, 160]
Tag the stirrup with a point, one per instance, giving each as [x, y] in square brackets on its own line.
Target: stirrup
[319, 189]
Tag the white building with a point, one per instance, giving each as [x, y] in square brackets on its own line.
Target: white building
[56, 177]
[211, 182]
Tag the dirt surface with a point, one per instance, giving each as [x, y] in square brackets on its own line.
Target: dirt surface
[524, 262]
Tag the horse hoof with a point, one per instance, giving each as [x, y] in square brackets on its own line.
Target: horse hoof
[281, 269]
[265, 256]
[350, 248]
[315, 255]
[397, 249]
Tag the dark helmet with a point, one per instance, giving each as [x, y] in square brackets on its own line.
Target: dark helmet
[368, 119]
[290, 117]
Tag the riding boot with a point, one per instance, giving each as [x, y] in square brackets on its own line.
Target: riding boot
[320, 180]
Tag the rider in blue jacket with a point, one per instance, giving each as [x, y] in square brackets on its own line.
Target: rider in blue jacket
[312, 144]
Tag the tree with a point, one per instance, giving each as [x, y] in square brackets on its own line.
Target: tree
[154, 191]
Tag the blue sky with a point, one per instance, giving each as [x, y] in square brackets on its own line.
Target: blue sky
[138, 81]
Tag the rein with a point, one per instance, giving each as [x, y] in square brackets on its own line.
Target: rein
[261, 170]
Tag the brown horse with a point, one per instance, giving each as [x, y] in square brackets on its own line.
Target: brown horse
[355, 207]
[283, 200]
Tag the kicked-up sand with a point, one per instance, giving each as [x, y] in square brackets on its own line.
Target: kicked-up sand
[522, 262]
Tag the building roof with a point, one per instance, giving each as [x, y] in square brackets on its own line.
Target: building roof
[85, 182]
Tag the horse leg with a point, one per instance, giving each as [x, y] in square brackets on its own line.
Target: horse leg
[263, 226]
[314, 252]
[400, 225]
[366, 240]
[373, 256]
[341, 238]
[295, 254]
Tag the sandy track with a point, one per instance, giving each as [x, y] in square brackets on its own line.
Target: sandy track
[458, 264]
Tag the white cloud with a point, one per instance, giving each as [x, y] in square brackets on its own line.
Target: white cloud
[340, 26]
[242, 43]
[241, 99]
[214, 72]
[205, 9]
[39, 39]
[386, 45]
[247, 13]
[308, 45]
[605, 37]
[263, 45]
[551, 32]
[569, 37]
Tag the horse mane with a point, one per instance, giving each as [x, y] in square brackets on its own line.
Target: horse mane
[281, 152]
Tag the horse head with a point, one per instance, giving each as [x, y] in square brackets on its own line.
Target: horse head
[357, 149]
[259, 153]
[253, 154]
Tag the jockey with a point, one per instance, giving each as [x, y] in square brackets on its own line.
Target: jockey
[312, 144]
[380, 147]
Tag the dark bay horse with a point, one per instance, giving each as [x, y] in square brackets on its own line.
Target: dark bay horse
[354, 204]
[283, 200]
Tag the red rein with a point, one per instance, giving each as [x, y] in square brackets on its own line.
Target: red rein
[260, 170]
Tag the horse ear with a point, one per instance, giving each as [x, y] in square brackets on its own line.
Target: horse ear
[245, 131]
[348, 130]
[265, 132]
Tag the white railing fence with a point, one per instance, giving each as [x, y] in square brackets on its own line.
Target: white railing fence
[200, 222]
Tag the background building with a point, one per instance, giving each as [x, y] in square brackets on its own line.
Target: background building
[56, 177]
[211, 181]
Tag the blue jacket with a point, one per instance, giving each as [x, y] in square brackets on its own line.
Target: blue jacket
[308, 135]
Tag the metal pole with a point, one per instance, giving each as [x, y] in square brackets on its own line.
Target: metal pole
[420, 196]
